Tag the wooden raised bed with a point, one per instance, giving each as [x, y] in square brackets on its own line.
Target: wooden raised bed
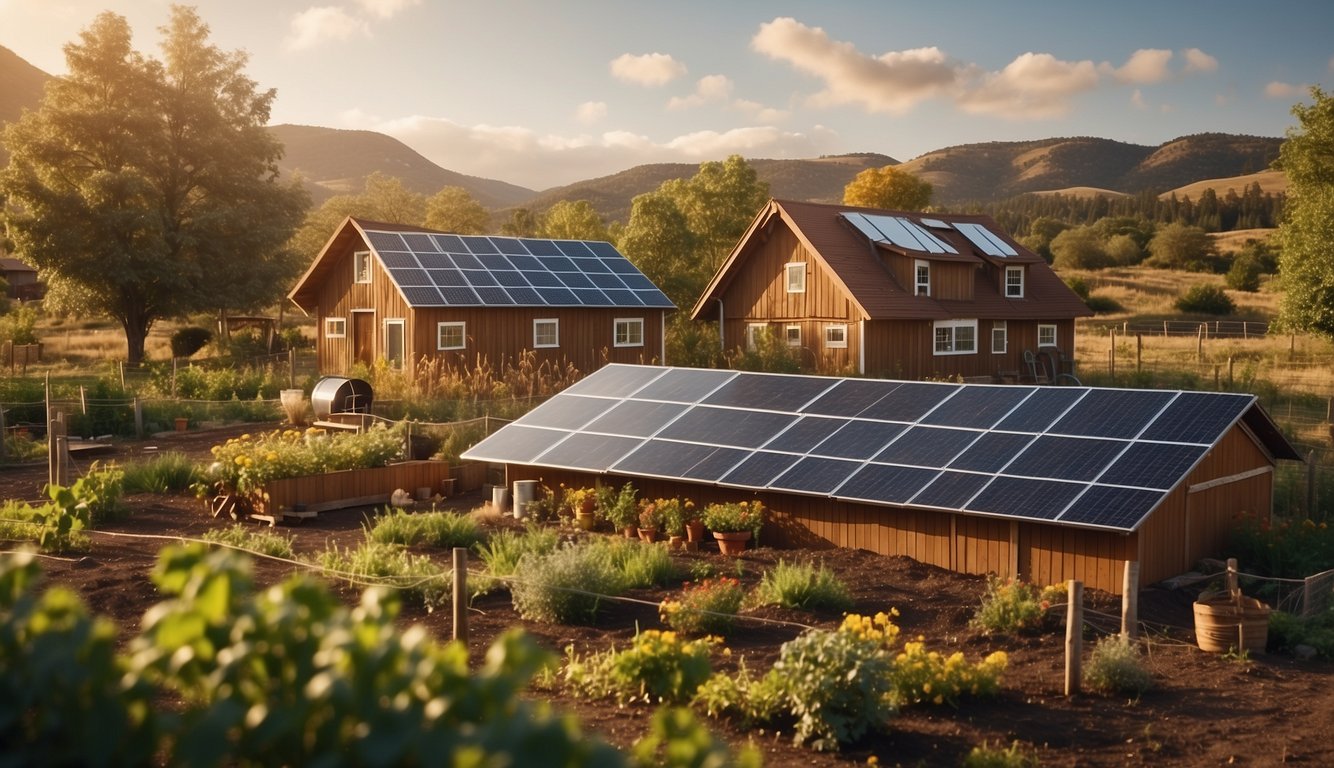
[302, 497]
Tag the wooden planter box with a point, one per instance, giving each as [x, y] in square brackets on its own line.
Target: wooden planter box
[305, 496]
[469, 476]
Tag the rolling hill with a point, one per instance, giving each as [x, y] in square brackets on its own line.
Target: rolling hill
[21, 86]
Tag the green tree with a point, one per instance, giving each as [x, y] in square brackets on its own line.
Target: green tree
[1123, 251]
[1079, 248]
[140, 183]
[577, 220]
[452, 209]
[521, 223]
[1179, 246]
[1307, 228]
[383, 198]
[888, 187]
[659, 242]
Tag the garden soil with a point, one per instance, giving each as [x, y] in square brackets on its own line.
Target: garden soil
[1204, 709]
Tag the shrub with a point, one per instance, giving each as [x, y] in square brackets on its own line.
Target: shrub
[187, 341]
[1009, 605]
[661, 667]
[440, 529]
[1079, 285]
[619, 507]
[928, 677]
[247, 539]
[564, 586]
[503, 549]
[987, 756]
[734, 517]
[637, 564]
[164, 473]
[1207, 300]
[1286, 550]
[709, 607]
[1103, 304]
[1244, 274]
[677, 738]
[1287, 631]
[1115, 666]
[99, 491]
[802, 585]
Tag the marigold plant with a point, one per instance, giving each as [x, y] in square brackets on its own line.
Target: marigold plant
[928, 677]
[709, 607]
[244, 464]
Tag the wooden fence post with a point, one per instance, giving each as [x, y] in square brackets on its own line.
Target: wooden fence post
[1130, 600]
[1232, 575]
[461, 595]
[291, 368]
[1111, 357]
[4, 433]
[173, 376]
[62, 461]
[1074, 636]
[83, 401]
[1310, 483]
[1229, 373]
[1199, 344]
[1139, 352]
[138, 419]
[120, 364]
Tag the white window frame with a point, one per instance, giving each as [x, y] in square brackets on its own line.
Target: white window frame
[440, 335]
[403, 342]
[953, 327]
[1000, 332]
[921, 287]
[628, 323]
[792, 335]
[1020, 284]
[361, 267]
[555, 332]
[753, 331]
[1047, 329]
[335, 327]
[795, 274]
[841, 330]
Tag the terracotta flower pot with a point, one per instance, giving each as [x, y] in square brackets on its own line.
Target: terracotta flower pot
[629, 531]
[695, 530]
[182, 423]
[732, 542]
[585, 520]
[648, 534]
[676, 543]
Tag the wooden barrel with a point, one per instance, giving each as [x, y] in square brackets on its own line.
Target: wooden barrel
[1224, 623]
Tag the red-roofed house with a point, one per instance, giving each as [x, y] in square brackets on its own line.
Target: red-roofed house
[897, 294]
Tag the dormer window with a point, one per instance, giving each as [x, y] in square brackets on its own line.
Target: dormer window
[796, 277]
[921, 277]
[1014, 282]
[361, 266]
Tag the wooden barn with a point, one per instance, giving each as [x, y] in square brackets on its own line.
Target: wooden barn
[403, 294]
[895, 294]
[1042, 483]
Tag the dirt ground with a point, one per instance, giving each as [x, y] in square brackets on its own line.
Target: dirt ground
[1205, 709]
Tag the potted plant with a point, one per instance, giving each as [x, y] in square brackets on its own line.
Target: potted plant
[734, 523]
[650, 519]
[673, 515]
[580, 504]
[694, 525]
[620, 508]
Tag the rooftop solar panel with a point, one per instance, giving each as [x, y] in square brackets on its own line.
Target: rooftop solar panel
[591, 297]
[927, 446]
[1119, 508]
[986, 241]
[509, 245]
[494, 261]
[760, 469]
[386, 241]
[770, 392]
[684, 385]
[1198, 417]
[459, 296]
[1112, 412]
[467, 261]
[636, 418]
[478, 244]
[592, 452]
[423, 296]
[1153, 465]
[573, 248]
[951, 490]
[1041, 409]
[493, 296]
[815, 475]
[979, 407]
[718, 463]
[419, 241]
[540, 247]
[449, 243]
[858, 440]
[517, 443]
[727, 426]
[1065, 458]
[1023, 497]
[567, 412]
[574, 280]
[884, 483]
[805, 434]
[664, 458]
[850, 397]
[398, 260]
[624, 297]
[525, 297]
[991, 452]
[908, 402]
[618, 381]
[407, 277]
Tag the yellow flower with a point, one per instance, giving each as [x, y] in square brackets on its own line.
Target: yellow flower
[240, 461]
[271, 456]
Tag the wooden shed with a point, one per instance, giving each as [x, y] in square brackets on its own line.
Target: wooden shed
[896, 294]
[405, 294]
[1042, 483]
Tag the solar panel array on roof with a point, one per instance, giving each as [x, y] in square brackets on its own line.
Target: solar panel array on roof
[898, 230]
[438, 270]
[986, 241]
[1101, 458]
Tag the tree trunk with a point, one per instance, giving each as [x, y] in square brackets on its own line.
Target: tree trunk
[136, 333]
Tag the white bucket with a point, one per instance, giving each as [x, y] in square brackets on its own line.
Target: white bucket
[525, 493]
[500, 498]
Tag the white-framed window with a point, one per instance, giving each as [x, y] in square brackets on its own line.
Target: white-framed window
[796, 276]
[792, 334]
[361, 267]
[546, 333]
[451, 336]
[921, 277]
[836, 336]
[754, 332]
[335, 327]
[1000, 337]
[1014, 282]
[955, 337]
[1046, 335]
[395, 342]
[629, 332]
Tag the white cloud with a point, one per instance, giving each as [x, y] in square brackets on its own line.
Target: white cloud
[386, 9]
[1199, 61]
[1137, 100]
[710, 89]
[321, 24]
[1277, 90]
[893, 82]
[1033, 86]
[1147, 65]
[760, 113]
[522, 156]
[591, 112]
[650, 69]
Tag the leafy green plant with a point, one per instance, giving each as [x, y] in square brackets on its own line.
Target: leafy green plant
[1009, 605]
[189, 340]
[564, 586]
[709, 607]
[99, 491]
[637, 564]
[734, 517]
[1115, 666]
[22, 447]
[923, 676]
[436, 528]
[1287, 631]
[677, 738]
[1206, 299]
[618, 506]
[658, 667]
[503, 549]
[248, 539]
[391, 565]
[1287, 549]
[802, 585]
[987, 756]
[164, 473]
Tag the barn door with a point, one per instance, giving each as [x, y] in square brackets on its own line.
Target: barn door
[363, 337]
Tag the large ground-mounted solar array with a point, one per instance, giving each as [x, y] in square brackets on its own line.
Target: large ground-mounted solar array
[441, 270]
[1090, 457]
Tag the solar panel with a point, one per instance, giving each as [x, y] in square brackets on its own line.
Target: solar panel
[885, 483]
[663, 458]
[771, 392]
[636, 418]
[936, 224]
[851, 396]
[566, 411]
[1198, 417]
[902, 232]
[908, 402]
[986, 241]
[718, 463]
[927, 446]
[1041, 409]
[1065, 458]
[1119, 508]
[459, 296]
[592, 452]
[815, 475]
[991, 452]
[760, 469]
[516, 443]
[1153, 465]
[568, 273]
[685, 385]
[978, 407]
[858, 440]
[1112, 413]
[951, 490]
[1022, 497]
[423, 296]
[726, 426]
[611, 381]
[805, 434]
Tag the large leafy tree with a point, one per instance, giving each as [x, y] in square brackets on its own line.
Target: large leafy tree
[452, 209]
[149, 188]
[1307, 228]
[889, 188]
[577, 220]
[383, 198]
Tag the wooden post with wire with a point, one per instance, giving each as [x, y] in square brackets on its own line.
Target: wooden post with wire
[63, 460]
[138, 419]
[1074, 636]
[461, 595]
[1130, 600]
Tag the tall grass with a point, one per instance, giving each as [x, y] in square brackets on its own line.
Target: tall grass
[437, 528]
[802, 585]
[164, 473]
[252, 540]
[390, 565]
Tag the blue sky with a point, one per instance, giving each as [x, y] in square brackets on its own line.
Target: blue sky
[541, 93]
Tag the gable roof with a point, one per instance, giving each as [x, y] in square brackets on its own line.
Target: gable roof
[831, 233]
[11, 265]
[1081, 456]
[437, 269]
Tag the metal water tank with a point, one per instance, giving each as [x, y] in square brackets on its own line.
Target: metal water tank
[336, 394]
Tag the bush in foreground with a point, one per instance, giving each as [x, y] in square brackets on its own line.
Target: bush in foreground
[802, 585]
[1117, 667]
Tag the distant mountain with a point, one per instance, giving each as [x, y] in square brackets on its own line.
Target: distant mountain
[820, 180]
[994, 170]
[21, 86]
[334, 161]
